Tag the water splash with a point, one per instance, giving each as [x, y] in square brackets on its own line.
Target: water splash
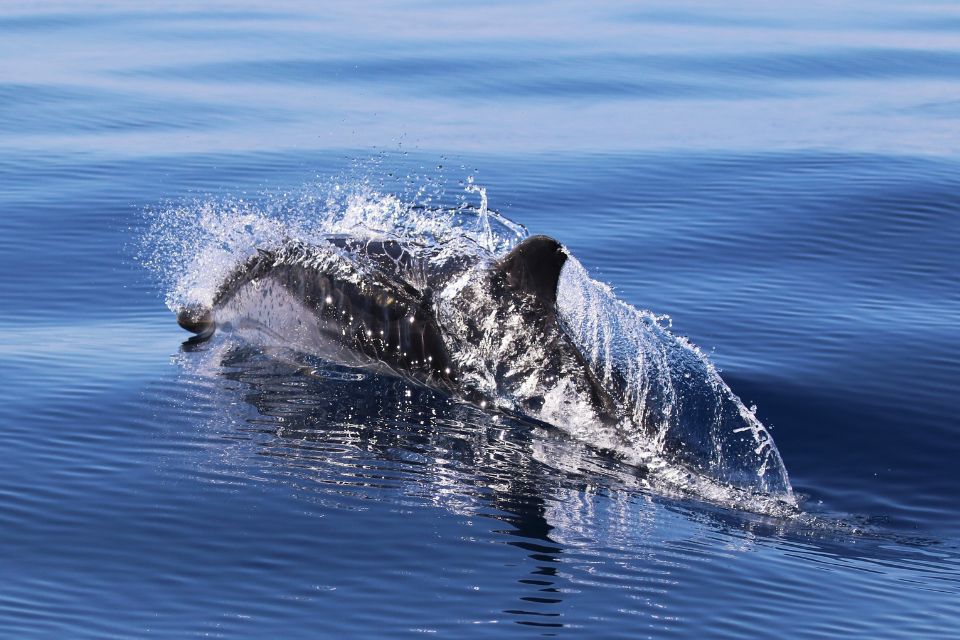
[668, 385]
[488, 240]
[192, 246]
[679, 420]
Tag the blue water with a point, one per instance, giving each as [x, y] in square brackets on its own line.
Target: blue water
[784, 182]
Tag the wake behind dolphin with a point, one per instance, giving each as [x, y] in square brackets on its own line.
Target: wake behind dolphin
[464, 301]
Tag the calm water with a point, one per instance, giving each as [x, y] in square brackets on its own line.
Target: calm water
[784, 183]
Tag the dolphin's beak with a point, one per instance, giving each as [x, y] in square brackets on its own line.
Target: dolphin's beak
[197, 319]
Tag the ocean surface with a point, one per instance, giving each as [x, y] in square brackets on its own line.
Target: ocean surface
[783, 182]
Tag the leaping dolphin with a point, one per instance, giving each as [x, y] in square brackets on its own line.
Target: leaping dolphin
[371, 304]
[487, 331]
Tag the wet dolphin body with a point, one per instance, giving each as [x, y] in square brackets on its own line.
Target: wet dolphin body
[371, 304]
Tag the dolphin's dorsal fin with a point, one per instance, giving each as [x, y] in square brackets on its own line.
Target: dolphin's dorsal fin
[534, 267]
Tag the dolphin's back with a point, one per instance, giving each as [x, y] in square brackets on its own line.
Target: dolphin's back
[370, 319]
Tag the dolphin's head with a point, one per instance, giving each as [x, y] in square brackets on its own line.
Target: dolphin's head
[197, 319]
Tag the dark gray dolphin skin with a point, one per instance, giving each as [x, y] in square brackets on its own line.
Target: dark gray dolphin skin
[370, 304]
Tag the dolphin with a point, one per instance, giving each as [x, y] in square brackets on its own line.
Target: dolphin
[371, 304]
[486, 330]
